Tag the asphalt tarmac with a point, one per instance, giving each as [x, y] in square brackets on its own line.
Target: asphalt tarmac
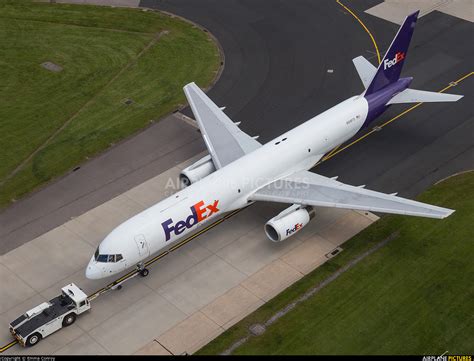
[287, 61]
[277, 59]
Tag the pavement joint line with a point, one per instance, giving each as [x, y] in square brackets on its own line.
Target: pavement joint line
[25, 281]
[188, 120]
[26, 300]
[241, 284]
[182, 243]
[214, 81]
[230, 264]
[312, 291]
[184, 320]
[66, 226]
[224, 294]
[150, 262]
[289, 265]
[151, 43]
[167, 350]
[131, 274]
[71, 341]
[365, 28]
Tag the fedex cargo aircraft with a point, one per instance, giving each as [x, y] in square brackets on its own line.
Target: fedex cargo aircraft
[239, 170]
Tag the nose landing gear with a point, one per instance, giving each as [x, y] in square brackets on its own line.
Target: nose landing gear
[142, 270]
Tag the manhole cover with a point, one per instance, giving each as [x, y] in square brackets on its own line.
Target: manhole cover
[257, 329]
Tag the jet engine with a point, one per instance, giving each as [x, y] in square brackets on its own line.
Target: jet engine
[198, 170]
[288, 222]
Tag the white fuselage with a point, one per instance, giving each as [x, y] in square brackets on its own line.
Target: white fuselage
[228, 188]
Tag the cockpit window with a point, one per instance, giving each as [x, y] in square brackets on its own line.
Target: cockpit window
[107, 258]
[102, 258]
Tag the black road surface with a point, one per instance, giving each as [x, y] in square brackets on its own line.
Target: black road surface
[286, 61]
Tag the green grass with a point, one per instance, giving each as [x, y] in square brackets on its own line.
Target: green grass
[412, 296]
[98, 48]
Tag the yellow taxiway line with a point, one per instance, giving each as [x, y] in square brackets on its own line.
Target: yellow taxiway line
[365, 28]
[161, 255]
[7, 346]
[331, 154]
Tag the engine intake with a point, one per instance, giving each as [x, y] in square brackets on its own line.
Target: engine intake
[202, 168]
[288, 222]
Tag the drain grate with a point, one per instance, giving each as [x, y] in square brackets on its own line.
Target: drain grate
[334, 252]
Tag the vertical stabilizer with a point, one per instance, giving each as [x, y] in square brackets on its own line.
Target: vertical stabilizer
[390, 68]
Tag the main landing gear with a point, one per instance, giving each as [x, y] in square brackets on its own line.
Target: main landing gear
[142, 270]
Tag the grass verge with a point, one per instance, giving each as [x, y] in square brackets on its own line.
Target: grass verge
[107, 55]
[413, 296]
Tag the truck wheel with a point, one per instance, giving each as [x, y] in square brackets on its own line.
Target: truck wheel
[33, 339]
[68, 320]
[144, 272]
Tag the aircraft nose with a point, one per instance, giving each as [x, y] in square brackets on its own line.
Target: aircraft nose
[93, 272]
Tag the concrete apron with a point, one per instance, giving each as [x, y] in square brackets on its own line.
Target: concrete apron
[190, 296]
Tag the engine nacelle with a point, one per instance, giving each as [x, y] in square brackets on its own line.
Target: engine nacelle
[288, 222]
[196, 171]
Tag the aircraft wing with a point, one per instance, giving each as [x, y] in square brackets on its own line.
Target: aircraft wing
[312, 189]
[224, 140]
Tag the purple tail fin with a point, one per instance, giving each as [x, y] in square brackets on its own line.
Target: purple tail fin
[390, 68]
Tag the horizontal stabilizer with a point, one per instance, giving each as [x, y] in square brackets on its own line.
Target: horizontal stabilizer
[365, 69]
[421, 96]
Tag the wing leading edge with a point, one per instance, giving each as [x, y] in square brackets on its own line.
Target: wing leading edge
[315, 190]
[224, 140]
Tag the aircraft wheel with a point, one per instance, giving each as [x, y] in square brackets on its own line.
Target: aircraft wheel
[144, 272]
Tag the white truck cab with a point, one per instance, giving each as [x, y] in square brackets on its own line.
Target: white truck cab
[48, 317]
